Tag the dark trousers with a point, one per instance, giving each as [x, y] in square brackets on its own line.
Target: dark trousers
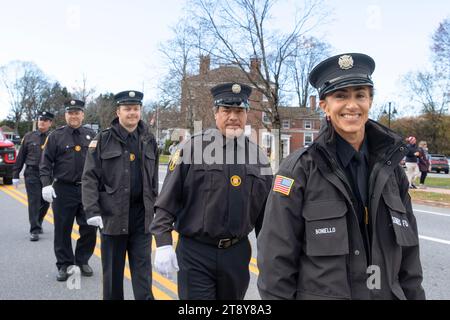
[210, 273]
[139, 248]
[66, 207]
[423, 175]
[37, 207]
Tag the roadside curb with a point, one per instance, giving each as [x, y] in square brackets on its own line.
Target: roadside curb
[432, 203]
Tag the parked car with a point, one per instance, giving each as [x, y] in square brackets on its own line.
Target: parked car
[438, 163]
[7, 159]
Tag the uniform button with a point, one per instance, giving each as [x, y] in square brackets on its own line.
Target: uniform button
[389, 163]
[402, 148]
[126, 170]
[357, 252]
[124, 230]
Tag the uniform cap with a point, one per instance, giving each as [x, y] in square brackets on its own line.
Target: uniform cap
[129, 97]
[341, 71]
[231, 95]
[74, 104]
[45, 115]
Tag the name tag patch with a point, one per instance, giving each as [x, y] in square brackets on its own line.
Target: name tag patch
[326, 230]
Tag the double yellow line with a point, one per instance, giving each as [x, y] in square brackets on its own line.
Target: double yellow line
[161, 280]
[158, 293]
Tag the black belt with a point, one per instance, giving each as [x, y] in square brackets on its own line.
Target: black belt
[76, 183]
[218, 243]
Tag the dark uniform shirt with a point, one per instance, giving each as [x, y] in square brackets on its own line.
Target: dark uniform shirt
[213, 200]
[132, 145]
[356, 168]
[64, 154]
[30, 152]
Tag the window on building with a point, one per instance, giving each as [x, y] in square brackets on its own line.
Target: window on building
[308, 139]
[308, 124]
[286, 124]
[265, 118]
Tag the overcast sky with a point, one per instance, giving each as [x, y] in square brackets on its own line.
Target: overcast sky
[115, 43]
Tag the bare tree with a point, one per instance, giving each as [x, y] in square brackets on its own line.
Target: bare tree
[24, 83]
[441, 48]
[309, 51]
[242, 29]
[82, 91]
[181, 55]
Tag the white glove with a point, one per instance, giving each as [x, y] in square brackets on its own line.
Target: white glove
[166, 260]
[16, 182]
[48, 193]
[95, 221]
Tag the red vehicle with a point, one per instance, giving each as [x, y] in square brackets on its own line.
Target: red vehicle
[7, 159]
[439, 163]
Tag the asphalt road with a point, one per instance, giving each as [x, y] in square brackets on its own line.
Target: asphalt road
[27, 269]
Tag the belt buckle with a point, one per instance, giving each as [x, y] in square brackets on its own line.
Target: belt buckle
[222, 243]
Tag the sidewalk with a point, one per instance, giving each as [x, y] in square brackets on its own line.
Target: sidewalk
[435, 190]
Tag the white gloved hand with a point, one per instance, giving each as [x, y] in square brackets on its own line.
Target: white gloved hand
[96, 221]
[166, 260]
[16, 182]
[48, 193]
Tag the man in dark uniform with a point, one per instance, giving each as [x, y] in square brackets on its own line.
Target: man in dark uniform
[214, 193]
[30, 154]
[120, 185]
[339, 222]
[60, 171]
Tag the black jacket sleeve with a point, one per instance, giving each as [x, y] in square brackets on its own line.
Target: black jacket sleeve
[21, 157]
[91, 179]
[280, 240]
[48, 160]
[410, 274]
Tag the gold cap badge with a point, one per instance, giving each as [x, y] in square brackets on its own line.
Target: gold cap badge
[236, 88]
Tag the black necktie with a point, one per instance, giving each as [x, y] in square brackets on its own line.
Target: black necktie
[236, 180]
[78, 155]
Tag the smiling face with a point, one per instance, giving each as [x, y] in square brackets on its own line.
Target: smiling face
[348, 109]
[231, 121]
[129, 116]
[74, 118]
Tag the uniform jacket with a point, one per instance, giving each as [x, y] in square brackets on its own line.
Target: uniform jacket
[61, 155]
[196, 195]
[106, 178]
[30, 152]
[310, 245]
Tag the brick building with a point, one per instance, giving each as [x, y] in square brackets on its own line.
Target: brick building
[299, 125]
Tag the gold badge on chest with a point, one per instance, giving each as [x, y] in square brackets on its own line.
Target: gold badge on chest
[235, 181]
[77, 148]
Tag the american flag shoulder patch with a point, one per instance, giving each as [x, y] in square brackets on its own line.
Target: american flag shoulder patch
[283, 185]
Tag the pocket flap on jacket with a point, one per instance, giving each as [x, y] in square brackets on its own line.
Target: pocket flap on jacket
[394, 202]
[150, 154]
[320, 210]
[110, 154]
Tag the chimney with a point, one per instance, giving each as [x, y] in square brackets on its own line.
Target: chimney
[255, 66]
[312, 103]
[205, 62]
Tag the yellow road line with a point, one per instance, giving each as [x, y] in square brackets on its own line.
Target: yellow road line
[161, 279]
[158, 277]
[159, 294]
